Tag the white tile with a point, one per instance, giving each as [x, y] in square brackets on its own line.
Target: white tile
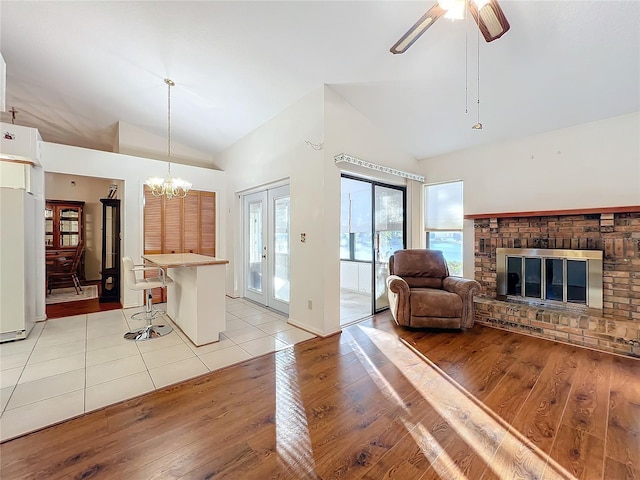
[59, 337]
[294, 336]
[114, 352]
[40, 414]
[105, 315]
[245, 334]
[56, 366]
[106, 341]
[10, 377]
[43, 354]
[224, 342]
[161, 342]
[274, 327]
[77, 322]
[224, 357]
[163, 356]
[5, 394]
[114, 391]
[14, 361]
[247, 312]
[47, 387]
[106, 328]
[19, 346]
[263, 345]
[235, 324]
[177, 372]
[260, 318]
[122, 367]
[235, 306]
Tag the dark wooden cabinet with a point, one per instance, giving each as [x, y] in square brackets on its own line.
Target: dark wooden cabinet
[110, 266]
[63, 230]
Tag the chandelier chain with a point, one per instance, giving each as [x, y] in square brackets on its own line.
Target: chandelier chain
[169, 83]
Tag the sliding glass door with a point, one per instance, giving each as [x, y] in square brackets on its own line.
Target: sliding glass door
[389, 231]
[372, 228]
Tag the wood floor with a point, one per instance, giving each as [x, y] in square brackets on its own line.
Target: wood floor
[375, 402]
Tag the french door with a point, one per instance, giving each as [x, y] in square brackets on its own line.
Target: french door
[266, 247]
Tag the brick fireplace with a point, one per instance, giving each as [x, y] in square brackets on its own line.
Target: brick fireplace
[613, 231]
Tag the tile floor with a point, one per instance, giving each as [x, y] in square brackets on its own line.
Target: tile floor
[68, 366]
[354, 306]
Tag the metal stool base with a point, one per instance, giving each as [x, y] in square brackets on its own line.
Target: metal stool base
[148, 332]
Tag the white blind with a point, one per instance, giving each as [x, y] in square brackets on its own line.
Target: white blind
[443, 206]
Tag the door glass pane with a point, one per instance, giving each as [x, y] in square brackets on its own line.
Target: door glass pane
[554, 279]
[254, 281]
[533, 277]
[389, 236]
[514, 275]
[281, 242]
[577, 281]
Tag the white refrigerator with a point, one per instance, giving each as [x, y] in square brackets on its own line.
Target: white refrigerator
[18, 271]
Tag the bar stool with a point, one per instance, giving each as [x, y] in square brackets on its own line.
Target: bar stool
[150, 330]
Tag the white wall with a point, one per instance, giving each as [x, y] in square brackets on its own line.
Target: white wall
[135, 141]
[277, 151]
[133, 171]
[89, 190]
[591, 165]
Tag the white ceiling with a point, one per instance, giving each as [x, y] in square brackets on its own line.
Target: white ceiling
[76, 68]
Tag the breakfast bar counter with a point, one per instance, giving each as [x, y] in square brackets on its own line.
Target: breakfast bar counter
[196, 299]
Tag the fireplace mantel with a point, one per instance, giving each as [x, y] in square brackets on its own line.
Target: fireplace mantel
[552, 213]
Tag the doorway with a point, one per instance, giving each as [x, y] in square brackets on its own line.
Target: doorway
[372, 227]
[266, 250]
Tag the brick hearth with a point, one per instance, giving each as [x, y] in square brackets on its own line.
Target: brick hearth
[614, 329]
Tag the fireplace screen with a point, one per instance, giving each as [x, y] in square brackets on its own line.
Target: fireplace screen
[554, 276]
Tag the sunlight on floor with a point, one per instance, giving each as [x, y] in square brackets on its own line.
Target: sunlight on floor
[495, 441]
[293, 442]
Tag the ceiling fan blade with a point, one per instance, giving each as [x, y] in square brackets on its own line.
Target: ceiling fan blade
[418, 29]
[490, 19]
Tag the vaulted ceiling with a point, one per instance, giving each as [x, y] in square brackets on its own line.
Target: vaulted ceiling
[74, 69]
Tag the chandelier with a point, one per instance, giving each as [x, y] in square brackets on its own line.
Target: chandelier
[169, 187]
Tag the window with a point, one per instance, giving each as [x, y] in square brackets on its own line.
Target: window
[443, 222]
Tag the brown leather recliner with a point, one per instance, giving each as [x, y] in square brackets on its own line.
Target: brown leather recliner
[422, 294]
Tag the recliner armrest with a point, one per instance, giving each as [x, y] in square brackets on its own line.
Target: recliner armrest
[397, 284]
[398, 292]
[465, 288]
[461, 286]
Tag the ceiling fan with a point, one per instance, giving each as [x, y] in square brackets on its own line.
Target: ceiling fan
[487, 14]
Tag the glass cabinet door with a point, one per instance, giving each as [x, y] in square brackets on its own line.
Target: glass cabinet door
[69, 227]
[48, 227]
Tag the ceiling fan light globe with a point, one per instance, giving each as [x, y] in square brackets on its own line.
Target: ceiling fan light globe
[455, 9]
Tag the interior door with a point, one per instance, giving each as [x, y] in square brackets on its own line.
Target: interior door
[267, 247]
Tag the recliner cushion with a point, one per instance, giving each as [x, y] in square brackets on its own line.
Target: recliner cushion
[431, 302]
[420, 268]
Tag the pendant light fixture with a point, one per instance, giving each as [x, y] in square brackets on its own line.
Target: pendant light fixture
[169, 187]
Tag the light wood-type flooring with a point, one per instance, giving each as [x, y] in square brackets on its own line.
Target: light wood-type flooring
[374, 402]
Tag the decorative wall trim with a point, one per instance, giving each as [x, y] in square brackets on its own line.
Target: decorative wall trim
[343, 157]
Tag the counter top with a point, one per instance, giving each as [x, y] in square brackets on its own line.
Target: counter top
[173, 260]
